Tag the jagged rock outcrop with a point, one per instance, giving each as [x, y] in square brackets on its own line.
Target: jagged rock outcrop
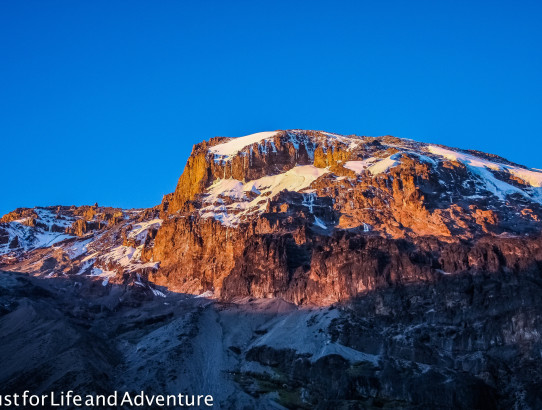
[19, 213]
[80, 227]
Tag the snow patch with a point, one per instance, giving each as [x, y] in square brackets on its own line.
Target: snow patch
[78, 248]
[139, 231]
[295, 179]
[385, 164]
[227, 150]
[482, 168]
[319, 223]
[206, 294]
[31, 237]
[373, 165]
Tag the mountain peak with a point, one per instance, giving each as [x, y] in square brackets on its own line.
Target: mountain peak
[279, 201]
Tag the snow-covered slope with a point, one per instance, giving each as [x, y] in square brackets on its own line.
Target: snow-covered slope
[90, 241]
[231, 201]
[485, 171]
[229, 149]
[374, 165]
[42, 229]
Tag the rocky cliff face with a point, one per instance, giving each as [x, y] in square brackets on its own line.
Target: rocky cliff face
[314, 217]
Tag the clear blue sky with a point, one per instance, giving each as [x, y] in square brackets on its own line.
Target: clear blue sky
[103, 100]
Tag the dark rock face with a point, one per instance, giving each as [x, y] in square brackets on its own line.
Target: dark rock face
[272, 258]
[14, 243]
[46, 344]
[4, 236]
[460, 342]
[341, 266]
[447, 344]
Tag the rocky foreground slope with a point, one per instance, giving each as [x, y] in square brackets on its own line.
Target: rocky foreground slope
[367, 271]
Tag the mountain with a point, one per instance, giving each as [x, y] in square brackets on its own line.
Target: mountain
[317, 218]
[332, 271]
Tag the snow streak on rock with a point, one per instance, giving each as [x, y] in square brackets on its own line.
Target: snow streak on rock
[227, 150]
[230, 200]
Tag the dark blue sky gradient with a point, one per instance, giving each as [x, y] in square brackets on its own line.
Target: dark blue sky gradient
[103, 100]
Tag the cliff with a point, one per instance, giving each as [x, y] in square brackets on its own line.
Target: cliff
[308, 216]
[314, 217]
